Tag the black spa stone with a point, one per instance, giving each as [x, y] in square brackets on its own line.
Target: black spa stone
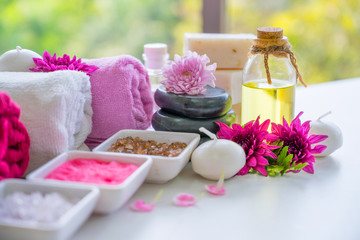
[164, 121]
[214, 102]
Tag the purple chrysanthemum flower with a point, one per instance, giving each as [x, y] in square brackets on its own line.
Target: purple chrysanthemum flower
[188, 74]
[252, 138]
[296, 138]
[50, 63]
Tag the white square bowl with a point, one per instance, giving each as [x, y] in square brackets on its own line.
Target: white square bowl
[63, 228]
[164, 168]
[112, 197]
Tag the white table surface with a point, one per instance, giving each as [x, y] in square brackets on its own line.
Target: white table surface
[325, 205]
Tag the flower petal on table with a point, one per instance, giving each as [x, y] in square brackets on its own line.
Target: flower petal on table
[215, 190]
[184, 200]
[141, 206]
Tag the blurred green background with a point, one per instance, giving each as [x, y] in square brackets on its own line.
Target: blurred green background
[325, 34]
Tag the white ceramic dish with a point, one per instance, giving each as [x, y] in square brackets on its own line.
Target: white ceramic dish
[112, 197]
[164, 168]
[65, 227]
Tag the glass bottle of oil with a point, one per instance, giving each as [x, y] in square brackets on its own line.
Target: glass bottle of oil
[269, 91]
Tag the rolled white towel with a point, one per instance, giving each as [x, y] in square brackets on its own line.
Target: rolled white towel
[55, 108]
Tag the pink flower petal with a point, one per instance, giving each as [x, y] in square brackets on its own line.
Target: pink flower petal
[285, 124]
[218, 188]
[244, 170]
[309, 169]
[141, 206]
[261, 169]
[262, 161]
[272, 147]
[271, 154]
[37, 61]
[306, 127]
[265, 125]
[251, 151]
[215, 190]
[47, 56]
[318, 149]
[251, 162]
[317, 138]
[225, 131]
[184, 200]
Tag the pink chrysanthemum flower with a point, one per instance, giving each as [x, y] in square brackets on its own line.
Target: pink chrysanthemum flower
[296, 138]
[188, 74]
[50, 63]
[252, 138]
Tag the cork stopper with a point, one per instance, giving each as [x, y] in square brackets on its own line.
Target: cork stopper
[269, 33]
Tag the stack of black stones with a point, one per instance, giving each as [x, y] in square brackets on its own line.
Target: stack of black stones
[187, 113]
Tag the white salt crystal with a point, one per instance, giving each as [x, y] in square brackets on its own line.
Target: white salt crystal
[38, 207]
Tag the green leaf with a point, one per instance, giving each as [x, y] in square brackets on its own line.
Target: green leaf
[278, 150]
[300, 166]
[288, 159]
[252, 171]
[277, 168]
[274, 170]
[282, 164]
[271, 160]
[273, 174]
[282, 155]
[284, 151]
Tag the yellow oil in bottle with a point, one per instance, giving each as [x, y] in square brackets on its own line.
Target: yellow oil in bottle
[269, 101]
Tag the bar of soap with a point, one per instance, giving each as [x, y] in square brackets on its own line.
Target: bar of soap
[226, 49]
[164, 121]
[214, 102]
[230, 81]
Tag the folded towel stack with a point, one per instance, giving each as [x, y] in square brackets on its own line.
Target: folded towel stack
[121, 97]
[56, 110]
[14, 140]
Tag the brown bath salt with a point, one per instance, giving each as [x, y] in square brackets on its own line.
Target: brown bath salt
[147, 147]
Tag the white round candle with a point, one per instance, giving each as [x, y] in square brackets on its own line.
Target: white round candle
[216, 155]
[18, 60]
[335, 138]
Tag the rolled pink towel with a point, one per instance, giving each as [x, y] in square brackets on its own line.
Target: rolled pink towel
[121, 97]
[14, 140]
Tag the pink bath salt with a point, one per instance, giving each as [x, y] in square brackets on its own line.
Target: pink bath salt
[93, 171]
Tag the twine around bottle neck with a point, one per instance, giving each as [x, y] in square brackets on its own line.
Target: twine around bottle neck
[279, 48]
